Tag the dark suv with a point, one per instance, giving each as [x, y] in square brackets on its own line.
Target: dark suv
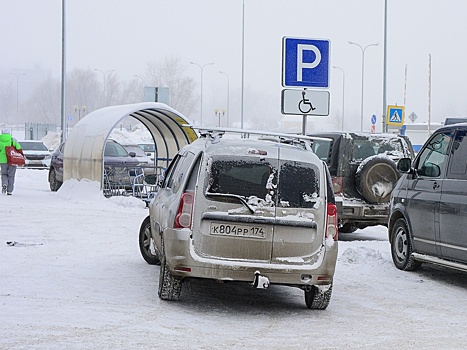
[428, 212]
[363, 170]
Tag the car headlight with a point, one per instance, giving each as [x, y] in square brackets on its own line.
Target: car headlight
[48, 156]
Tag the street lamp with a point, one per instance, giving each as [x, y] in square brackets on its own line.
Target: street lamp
[103, 75]
[219, 113]
[228, 93]
[17, 75]
[79, 109]
[201, 68]
[343, 94]
[363, 67]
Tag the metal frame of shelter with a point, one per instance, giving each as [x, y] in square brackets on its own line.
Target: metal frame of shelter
[84, 150]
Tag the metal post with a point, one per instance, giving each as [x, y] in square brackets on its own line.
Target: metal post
[228, 93]
[17, 75]
[104, 102]
[385, 125]
[343, 95]
[363, 75]
[243, 61]
[63, 105]
[201, 67]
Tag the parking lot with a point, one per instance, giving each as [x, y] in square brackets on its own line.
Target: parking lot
[72, 276]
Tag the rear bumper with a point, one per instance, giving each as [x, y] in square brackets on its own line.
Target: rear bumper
[356, 211]
[183, 261]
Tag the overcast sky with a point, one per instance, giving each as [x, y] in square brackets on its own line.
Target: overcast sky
[126, 35]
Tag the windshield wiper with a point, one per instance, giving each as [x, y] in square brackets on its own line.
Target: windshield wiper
[228, 195]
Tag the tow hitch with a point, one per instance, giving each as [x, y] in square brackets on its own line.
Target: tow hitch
[260, 281]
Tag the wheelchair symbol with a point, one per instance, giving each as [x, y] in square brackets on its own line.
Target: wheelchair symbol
[305, 105]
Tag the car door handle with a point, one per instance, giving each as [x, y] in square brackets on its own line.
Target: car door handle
[435, 185]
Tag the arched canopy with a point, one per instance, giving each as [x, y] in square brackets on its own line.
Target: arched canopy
[84, 150]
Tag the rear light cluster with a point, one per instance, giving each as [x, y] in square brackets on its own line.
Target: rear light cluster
[331, 222]
[185, 210]
[337, 184]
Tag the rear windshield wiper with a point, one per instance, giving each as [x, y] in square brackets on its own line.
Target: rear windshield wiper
[228, 195]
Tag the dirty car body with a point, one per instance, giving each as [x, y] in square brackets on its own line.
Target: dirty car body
[248, 211]
[364, 172]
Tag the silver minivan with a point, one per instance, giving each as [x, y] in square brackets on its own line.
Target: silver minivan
[238, 209]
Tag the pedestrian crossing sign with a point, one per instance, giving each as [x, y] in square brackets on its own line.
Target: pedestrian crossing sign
[396, 115]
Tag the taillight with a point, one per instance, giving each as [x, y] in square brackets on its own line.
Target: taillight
[331, 222]
[337, 184]
[185, 208]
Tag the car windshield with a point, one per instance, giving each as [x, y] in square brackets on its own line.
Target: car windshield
[113, 149]
[33, 146]
[257, 179]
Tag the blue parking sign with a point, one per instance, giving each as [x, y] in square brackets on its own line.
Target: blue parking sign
[305, 62]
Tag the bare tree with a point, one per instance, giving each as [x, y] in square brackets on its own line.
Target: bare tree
[170, 73]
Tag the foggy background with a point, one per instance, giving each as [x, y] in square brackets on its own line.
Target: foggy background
[114, 48]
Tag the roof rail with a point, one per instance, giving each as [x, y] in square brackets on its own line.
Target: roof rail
[215, 132]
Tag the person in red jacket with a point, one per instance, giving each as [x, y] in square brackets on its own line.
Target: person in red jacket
[8, 171]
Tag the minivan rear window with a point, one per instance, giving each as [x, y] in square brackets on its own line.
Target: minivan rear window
[297, 186]
[240, 177]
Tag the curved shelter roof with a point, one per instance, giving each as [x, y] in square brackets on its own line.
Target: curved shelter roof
[84, 151]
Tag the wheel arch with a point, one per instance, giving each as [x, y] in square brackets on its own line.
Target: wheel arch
[396, 215]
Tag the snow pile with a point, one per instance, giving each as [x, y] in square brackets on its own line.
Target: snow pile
[361, 256]
[79, 191]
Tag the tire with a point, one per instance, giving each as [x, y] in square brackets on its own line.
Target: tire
[348, 228]
[376, 179]
[401, 247]
[146, 244]
[318, 297]
[170, 286]
[54, 184]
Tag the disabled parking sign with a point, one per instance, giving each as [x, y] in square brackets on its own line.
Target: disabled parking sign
[305, 62]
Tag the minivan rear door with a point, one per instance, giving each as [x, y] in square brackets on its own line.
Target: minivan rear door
[238, 215]
[300, 207]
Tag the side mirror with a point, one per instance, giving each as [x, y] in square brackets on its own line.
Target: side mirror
[132, 154]
[404, 165]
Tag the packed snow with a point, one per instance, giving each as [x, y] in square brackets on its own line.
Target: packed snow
[72, 277]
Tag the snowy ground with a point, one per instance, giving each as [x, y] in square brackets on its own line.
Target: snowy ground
[74, 279]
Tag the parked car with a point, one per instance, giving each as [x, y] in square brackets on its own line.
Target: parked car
[36, 154]
[144, 160]
[428, 213]
[149, 149]
[244, 210]
[117, 161]
[363, 170]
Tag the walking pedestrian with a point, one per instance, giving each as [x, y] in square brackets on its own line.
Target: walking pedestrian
[8, 171]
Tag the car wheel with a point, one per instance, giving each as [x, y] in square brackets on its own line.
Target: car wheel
[348, 228]
[170, 286]
[53, 182]
[318, 297]
[401, 247]
[146, 244]
[376, 178]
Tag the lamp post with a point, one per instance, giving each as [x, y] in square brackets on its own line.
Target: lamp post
[363, 70]
[219, 113]
[228, 93]
[201, 67]
[103, 75]
[79, 109]
[17, 75]
[343, 94]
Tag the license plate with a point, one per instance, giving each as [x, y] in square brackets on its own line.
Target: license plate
[238, 230]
